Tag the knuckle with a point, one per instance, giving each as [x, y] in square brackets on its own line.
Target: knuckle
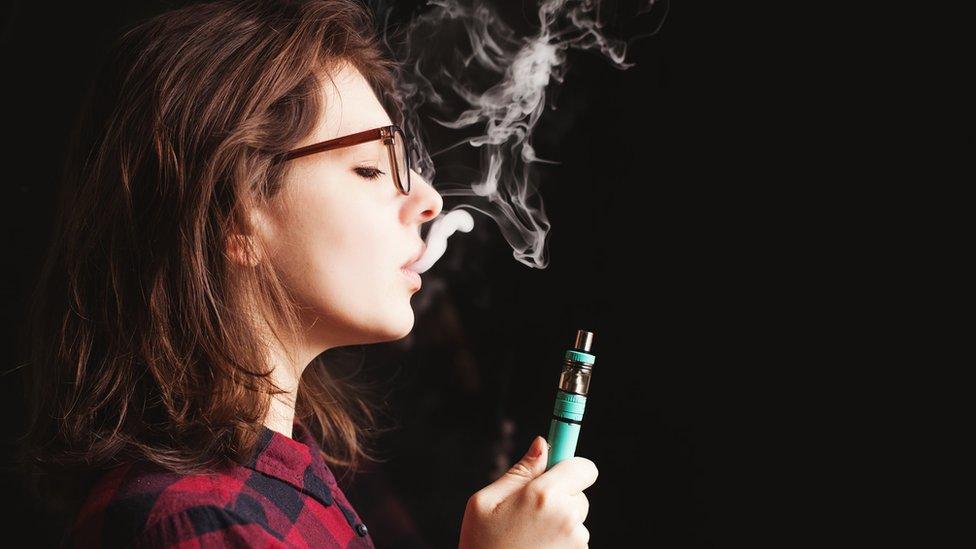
[583, 536]
[540, 497]
[569, 525]
[519, 470]
[478, 503]
[591, 467]
[587, 466]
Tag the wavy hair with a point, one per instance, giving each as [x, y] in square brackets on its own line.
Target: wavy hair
[141, 342]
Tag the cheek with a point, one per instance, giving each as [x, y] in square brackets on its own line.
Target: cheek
[336, 252]
[333, 243]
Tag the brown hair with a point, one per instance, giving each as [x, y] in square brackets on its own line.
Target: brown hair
[141, 343]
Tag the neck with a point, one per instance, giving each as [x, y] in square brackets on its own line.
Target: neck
[287, 369]
[281, 414]
[288, 359]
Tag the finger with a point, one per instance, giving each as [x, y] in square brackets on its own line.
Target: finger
[570, 476]
[582, 504]
[581, 536]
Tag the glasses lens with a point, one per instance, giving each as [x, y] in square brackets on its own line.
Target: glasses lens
[402, 160]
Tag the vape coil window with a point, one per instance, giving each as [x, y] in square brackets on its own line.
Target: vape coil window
[575, 376]
[575, 380]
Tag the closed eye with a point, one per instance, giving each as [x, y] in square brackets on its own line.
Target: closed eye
[369, 173]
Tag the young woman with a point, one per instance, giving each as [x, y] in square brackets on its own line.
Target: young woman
[238, 200]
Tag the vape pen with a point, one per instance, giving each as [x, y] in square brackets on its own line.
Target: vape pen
[574, 383]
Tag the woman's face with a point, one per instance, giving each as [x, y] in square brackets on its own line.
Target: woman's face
[339, 238]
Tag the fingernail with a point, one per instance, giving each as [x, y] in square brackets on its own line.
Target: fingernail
[536, 450]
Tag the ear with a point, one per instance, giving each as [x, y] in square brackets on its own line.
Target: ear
[248, 249]
[242, 250]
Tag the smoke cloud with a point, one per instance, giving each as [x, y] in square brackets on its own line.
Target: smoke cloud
[481, 79]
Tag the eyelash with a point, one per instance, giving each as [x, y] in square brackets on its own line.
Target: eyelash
[375, 172]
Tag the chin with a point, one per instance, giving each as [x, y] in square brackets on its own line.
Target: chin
[395, 328]
[405, 325]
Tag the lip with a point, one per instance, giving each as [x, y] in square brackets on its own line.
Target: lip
[416, 257]
[412, 276]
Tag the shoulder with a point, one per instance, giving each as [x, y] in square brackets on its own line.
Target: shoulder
[204, 525]
[150, 506]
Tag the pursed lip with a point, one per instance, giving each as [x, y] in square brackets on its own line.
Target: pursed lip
[415, 257]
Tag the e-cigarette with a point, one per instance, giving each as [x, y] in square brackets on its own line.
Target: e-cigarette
[574, 384]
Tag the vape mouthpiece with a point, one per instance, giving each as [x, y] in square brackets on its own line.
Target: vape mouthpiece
[584, 340]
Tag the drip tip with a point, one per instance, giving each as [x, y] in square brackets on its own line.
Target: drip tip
[584, 340]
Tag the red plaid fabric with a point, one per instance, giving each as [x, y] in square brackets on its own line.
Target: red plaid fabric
[285, 497]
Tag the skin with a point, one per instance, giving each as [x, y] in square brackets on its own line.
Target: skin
[339, 239]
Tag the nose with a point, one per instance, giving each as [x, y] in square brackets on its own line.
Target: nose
[425, 201]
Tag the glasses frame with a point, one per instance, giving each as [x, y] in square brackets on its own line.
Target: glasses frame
[383, 133]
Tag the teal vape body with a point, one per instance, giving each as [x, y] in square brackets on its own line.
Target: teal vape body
[567, 415]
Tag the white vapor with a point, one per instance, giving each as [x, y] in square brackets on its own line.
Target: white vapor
[441, 229]
[499, 82]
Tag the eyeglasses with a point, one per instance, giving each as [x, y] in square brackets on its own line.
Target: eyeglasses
[392, 137]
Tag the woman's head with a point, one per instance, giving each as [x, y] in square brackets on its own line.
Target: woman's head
[187, 248]
[340, 230]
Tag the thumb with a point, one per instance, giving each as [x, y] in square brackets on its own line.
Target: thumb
[532, 464]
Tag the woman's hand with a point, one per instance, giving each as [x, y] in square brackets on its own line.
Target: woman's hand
[529, 507]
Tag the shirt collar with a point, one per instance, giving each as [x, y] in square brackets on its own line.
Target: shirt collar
[296, 460]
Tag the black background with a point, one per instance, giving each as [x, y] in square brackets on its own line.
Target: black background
[674, 238]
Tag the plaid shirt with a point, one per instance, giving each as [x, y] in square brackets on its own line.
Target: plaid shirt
[286, 496]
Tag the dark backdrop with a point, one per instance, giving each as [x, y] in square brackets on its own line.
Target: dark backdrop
[660, 244]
